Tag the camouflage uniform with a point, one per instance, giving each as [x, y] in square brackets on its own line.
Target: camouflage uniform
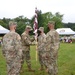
[26, 42]
[12, 51]
[41, 43]
[52, 45]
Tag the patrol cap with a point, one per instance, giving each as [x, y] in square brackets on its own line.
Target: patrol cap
[41, 28]
[28, 27]
[51, 22]
[12, 23]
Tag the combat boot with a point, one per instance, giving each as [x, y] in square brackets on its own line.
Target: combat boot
[47, 70]
[30, 69]
[42, 68]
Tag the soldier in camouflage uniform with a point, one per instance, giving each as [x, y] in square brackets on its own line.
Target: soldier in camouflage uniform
[52, 45]
[27, 41]
[40, 46]
[12, 50]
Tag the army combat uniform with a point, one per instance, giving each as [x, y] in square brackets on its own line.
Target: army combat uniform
[40, 46]
[52, 45]
[12, 51]
[26, 42]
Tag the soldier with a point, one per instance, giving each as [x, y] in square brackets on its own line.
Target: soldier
[12, 50]
[52, 45]
[41, 41]
[27, 41]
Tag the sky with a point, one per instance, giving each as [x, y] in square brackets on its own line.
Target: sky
[15, 8]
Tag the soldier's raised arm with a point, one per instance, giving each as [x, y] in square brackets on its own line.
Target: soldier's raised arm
[26, 39]
[26, 42]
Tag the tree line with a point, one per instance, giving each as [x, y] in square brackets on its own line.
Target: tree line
[69, 25]
[43, 19]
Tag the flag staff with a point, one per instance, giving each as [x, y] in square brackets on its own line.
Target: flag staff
[35, 27]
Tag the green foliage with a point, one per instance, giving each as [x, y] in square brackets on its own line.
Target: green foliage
[44, 18]
[66, 61]
[20, 28]
[69, 25]
[2, 23]
[21, 22]
[40, 19]
[5, 22]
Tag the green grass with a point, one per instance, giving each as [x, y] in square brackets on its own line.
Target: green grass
[66, 61]
[0, 37]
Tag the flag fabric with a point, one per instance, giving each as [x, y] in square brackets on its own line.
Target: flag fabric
[35, 26]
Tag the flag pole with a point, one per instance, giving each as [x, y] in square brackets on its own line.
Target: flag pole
[36, 48]
[35, 29]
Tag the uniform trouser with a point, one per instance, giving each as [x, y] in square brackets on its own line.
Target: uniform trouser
[53, 70]
[40, 58]
[13, 66]
[26, 57]
[45, 61]
[52, 62]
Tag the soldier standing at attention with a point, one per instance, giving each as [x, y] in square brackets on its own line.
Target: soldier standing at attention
[12, 50]
[26, 42]
[52, 45]
[40, 46]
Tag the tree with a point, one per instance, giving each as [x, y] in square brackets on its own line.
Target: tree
[21, 22]
[21, 27]
[69, 25]
[43, 19]
[6, 22]
[2, 23]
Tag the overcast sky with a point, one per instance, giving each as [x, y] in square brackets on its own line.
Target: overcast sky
[15, 8]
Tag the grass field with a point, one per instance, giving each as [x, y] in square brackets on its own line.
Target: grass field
[66, 61]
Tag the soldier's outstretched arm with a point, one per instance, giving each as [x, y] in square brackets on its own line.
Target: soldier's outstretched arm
[27, 40]
[32, 39]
